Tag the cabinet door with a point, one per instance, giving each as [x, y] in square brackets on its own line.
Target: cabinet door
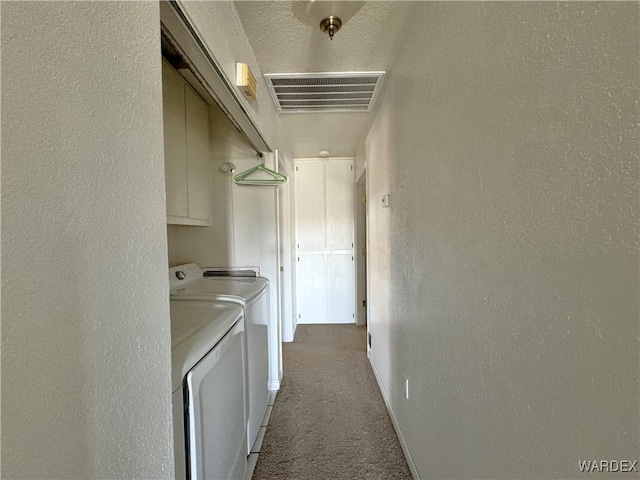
[175, 142]
[341, 287]
[339, 205]
[310, 206]
[198, 164]
[312, 288]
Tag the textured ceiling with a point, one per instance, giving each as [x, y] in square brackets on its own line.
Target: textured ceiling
[284, 44]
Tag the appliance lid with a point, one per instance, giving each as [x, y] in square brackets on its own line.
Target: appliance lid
[196, 328]
[229, 289]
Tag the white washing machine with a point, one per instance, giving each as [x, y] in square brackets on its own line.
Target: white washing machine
[209, 390]
[246, 288]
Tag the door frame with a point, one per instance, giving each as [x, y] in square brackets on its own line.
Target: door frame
[361, 249]
[286, 254]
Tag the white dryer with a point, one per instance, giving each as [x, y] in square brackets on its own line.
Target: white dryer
[209, 390]
[246, 288]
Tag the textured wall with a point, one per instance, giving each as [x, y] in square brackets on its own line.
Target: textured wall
[86, 354]
[504, 276]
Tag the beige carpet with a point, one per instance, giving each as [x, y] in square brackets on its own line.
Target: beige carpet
[329, 420]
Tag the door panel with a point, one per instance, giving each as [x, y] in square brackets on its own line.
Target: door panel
[340, 288]
[312, 294]
[310, 208]
[175, 141]
[339, 201]
[199, 171]
[257, 369]
[217, 441]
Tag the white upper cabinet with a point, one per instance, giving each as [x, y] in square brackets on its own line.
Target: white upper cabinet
[188, 168]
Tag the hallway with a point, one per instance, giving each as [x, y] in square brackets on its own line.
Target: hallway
[329, 420]
[500, 165]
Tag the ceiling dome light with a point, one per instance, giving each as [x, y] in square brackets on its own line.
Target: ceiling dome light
[324, 153]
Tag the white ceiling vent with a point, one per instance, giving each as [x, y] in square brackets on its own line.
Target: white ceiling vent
[324, 92]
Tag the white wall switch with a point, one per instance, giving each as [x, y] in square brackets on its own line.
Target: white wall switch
[406, 387]
[385, 200]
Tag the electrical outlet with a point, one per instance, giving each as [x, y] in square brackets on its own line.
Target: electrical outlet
[406, 387]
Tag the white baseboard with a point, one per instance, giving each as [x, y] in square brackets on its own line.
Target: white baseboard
[273, 385]
[403, 444]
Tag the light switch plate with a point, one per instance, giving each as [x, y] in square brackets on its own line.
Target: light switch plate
[385, 200]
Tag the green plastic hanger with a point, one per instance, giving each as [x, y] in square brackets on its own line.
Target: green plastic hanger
[275, 178]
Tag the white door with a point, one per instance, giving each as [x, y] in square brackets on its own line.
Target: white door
[324, 203]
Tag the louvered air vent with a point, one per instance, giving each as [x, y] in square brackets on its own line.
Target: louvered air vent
[324, 92]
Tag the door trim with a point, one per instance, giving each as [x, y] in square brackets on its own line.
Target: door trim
[361, 246]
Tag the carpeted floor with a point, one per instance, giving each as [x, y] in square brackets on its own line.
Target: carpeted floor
[329, 420]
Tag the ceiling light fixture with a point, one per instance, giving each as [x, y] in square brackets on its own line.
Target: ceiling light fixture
[332, 14]
[330, 25]
[324, 153]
